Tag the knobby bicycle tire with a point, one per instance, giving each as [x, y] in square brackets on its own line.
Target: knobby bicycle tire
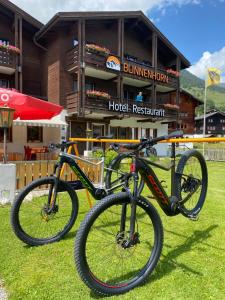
[191, 181]
[99, 271]
[113, 178]
[29, 218]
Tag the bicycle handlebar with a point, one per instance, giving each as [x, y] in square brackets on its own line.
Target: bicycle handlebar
[147, 142]
[62, 146]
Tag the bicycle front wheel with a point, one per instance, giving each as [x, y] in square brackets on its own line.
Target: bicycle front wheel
[191, 181]
[104, 261]
[116, 172]
[33, 220]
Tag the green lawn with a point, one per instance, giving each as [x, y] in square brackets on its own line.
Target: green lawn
[192, 265]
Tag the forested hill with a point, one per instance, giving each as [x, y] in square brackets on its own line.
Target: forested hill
[196, 86]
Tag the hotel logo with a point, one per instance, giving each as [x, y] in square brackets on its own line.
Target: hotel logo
[113, 63]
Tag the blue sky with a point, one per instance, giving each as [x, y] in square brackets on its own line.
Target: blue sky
[195, 27]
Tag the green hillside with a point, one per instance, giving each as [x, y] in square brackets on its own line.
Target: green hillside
[196, 86]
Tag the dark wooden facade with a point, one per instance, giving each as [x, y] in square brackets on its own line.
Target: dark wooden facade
[20, 70]
[186, 113]
[215, 123]
[57, 61]
[132, 39]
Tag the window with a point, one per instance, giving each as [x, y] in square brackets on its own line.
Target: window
[4, 42]
[136, 133]
[122, 132]
[75, 87]
[154, 133]
[114, 132]
[4, 83]
[129, 133]
[210, 121]
[98, 130]
[128, 95]
[89, 86]
[8, 137]
[34, 134]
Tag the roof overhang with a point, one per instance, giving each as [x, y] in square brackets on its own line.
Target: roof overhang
[71, 16]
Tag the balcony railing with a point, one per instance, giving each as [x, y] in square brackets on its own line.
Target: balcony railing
[71, 64]
[98, 104]
[72, 102]
[7, 61]
[129, 68]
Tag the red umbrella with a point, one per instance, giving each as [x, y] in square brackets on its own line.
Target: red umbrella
[27, 107]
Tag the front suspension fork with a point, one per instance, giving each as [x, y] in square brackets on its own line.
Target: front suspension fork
[133, 200]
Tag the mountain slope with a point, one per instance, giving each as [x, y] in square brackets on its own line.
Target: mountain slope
[196, 86]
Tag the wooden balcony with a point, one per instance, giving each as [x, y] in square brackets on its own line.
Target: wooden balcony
[7, 62]
[134, 73]
[71, 64]
[72, 103]
[130, 108]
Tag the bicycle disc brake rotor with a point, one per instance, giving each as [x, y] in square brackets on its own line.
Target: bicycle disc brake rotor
[48, 214]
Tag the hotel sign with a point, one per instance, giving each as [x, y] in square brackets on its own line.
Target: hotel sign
[135, 109]
[145, 73]
[114, 63]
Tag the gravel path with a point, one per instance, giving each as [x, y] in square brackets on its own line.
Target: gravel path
[3, 294]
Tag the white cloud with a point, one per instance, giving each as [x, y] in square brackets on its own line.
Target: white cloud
[43, 10]
[209, 60]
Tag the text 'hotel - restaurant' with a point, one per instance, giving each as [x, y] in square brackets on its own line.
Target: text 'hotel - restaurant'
[114, 72]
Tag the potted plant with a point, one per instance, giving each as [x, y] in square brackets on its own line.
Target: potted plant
[171, 106]
[10, 48]
[93, 48]
[98, 94]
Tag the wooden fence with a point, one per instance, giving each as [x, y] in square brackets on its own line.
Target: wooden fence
[214, 154]
[27, 171]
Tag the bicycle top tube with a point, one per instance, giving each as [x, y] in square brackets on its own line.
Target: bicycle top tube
[148, 142]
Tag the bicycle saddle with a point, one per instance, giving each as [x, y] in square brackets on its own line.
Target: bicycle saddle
[104, 137]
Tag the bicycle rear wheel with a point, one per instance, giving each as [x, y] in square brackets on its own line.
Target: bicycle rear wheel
[103, 261]
[115, 174]
[31, 219]
[191, 181]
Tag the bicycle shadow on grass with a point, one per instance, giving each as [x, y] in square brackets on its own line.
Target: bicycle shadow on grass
[168, 263]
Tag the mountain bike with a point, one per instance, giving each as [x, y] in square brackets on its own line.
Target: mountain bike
[120, 240]
[46, 209]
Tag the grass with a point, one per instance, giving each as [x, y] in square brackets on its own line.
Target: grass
[192, 264]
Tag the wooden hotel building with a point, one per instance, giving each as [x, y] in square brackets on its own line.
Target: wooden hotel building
[114, 72]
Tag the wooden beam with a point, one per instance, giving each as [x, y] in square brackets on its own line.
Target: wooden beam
[153, 120]
[17, 45]
[79, 73]
[116, 117]
[21, 54]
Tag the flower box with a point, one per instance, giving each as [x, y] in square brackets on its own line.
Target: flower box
[171, 106]
[93, 48]
[98, 94]
[10, 48]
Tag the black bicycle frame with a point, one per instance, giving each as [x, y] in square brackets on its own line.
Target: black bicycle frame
[155, 186]
[97, 193]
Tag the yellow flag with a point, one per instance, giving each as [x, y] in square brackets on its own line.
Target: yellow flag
[213, 76]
